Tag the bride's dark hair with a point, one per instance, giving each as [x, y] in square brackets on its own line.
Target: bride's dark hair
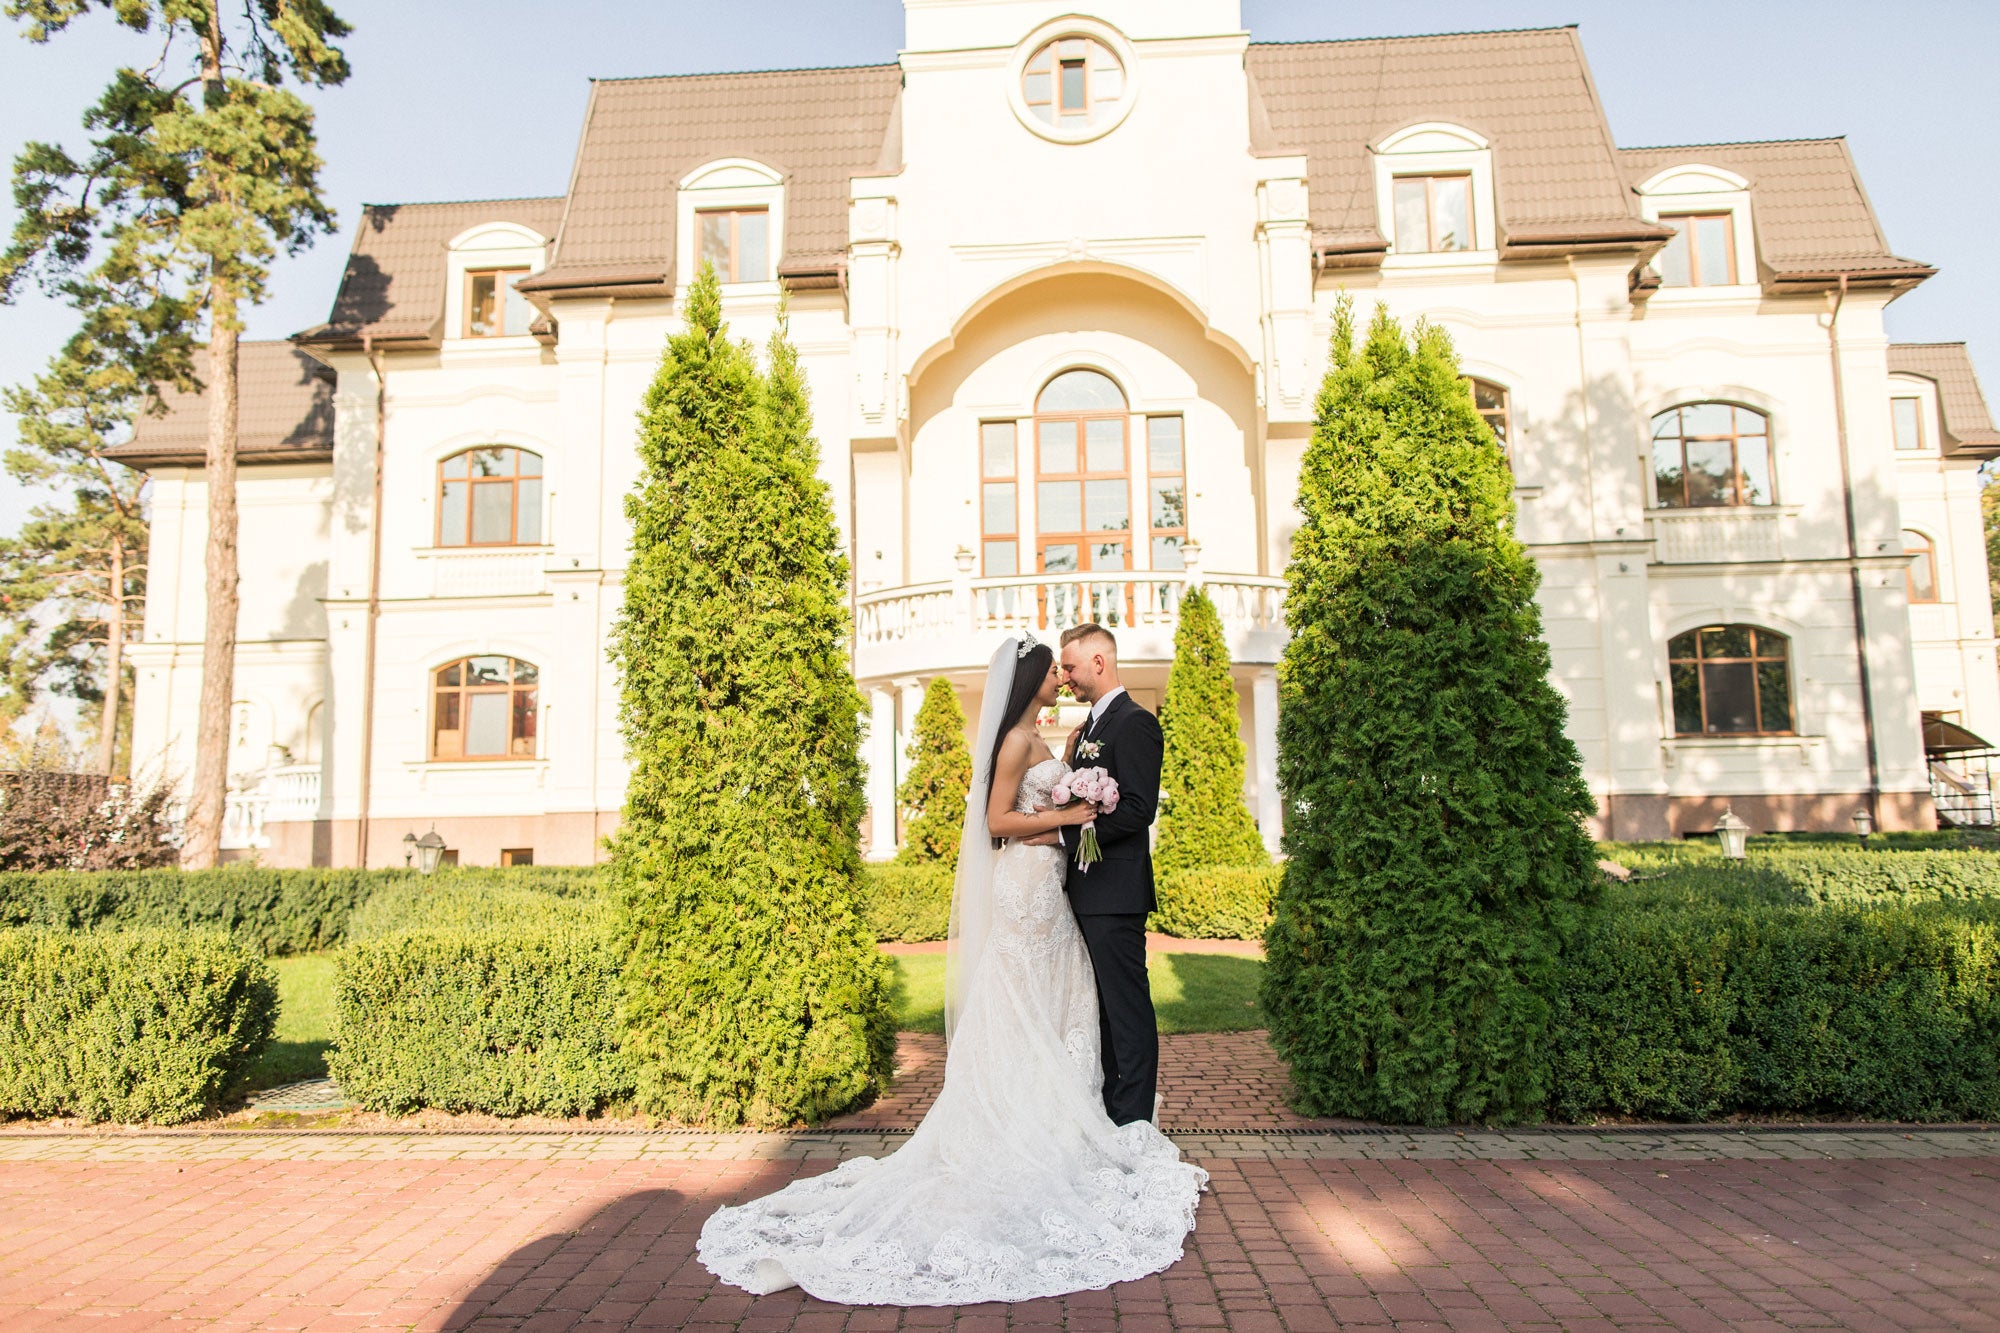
[1030, 670]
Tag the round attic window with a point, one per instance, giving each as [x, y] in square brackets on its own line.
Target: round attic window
[1074, 85]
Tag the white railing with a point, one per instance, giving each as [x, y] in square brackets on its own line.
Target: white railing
[277, 795]
[902, 623]
[1720, 535]
[489, 571]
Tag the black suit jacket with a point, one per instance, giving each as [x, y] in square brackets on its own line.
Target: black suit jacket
[1122, 883]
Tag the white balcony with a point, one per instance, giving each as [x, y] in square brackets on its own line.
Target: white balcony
[487, 571]
[277, 795]
[1721, 535]
[926, 628]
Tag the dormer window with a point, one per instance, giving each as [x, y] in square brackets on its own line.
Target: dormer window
[738, 242]
[493, 309]
[1907, 415]
[1702, 252]
[1433, 214]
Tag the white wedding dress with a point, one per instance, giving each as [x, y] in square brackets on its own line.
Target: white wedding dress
[1017, 1184]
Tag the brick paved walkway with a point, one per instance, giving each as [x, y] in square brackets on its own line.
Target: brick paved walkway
[1380, 1230]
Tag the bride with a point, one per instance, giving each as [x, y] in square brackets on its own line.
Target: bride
[1016, 1185]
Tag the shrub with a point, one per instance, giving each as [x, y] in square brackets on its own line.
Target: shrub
[79, 821]
[932, 796]
[1685, 1011]
[1436, 854]
[908, 904]
[484, 999]
[1203, 820]
[752, 988]
[134, 1026]
[1217, 903]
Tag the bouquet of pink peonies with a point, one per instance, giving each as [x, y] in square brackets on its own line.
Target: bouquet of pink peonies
[1101, 790]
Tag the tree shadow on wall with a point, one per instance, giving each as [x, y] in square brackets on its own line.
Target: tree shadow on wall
[630, 1264]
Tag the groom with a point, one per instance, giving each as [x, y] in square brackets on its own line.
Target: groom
[1112, 899]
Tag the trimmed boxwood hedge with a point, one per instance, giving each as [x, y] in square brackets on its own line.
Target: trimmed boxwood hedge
[136, 1026]
[479, 998]
[1217, 903]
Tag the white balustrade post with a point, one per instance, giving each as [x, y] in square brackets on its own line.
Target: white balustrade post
[1191, 560]
[881, 774]
[964, 615]
[1264, 732]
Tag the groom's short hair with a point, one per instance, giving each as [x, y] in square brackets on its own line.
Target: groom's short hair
[1091, 630]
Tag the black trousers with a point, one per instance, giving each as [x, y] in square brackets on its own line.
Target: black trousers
[1128, 1037]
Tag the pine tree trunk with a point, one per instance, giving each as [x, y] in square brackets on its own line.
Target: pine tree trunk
[107, 741]
[218, 653]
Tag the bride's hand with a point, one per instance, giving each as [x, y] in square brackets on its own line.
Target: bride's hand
[1077, 812]
[1040, 840]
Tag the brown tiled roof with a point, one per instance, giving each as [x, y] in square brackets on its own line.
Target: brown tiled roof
[284, 413]
[1968, 426]
[393, 289]
[815, 127]
[1812, 217]
[1529, 93]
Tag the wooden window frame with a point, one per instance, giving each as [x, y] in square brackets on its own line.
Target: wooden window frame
[1082, 539]
[499, 298]
[1430, 180]
[1728, 217]
[513, 481]
[1061, 117]
[1923, 436]
[1927, 551]
[1756, 659]
[1504, 434]
[1735, 438]
[464, 692]
[1013, 479]
[735, 215]
[1153, 533]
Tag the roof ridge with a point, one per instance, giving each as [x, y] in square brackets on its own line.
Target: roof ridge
[1960, 342]
[1730, 143]
[744, 73]
[1422, 36]
[460, 203]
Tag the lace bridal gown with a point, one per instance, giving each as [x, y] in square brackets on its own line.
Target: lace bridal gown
[1016, 1185]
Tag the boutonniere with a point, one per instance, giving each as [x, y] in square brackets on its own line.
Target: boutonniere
[1089, 749]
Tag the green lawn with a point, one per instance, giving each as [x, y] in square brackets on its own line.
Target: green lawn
[305, 1022]
[1192, 992]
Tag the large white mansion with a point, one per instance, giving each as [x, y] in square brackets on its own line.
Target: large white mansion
[1063, 286]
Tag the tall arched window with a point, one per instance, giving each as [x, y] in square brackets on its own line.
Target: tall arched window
[1731, 680]
[484, 708]
[1708, 454]
[490, 497]
[1083, 495]
[1922, 575]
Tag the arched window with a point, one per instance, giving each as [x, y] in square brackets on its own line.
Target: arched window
[490, 497]
[1494, 410]
[1709, 454]
[1922, 574]
[1073, 83]
[1731, 680]
[1083, 497]
[484, 708]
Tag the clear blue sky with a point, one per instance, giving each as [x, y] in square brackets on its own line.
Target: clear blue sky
[454, 101]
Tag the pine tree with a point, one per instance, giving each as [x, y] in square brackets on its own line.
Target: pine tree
[932, 796]
[753, 989]
[201, 167]
[1203, 821]
[73, 580]
[1437, 860]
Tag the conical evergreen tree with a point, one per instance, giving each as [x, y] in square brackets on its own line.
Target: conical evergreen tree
[1437, 860]
[753, 990]
[933, 792]
[1203, 821]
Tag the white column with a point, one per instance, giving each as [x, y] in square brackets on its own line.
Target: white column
[882, 773]
[1284, 246]
[1264, 723]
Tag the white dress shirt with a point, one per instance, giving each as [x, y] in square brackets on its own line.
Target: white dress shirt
[1103, 701]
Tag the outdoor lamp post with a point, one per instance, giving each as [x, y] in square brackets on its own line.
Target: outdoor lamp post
[409, 848]
[1732, 833]
[430, 847]
[1864, 824]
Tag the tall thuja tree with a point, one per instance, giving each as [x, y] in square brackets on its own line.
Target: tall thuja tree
[73, 580]
[1203, 820]
[201, 168]
[933, 792]
[753, 989]
[1437, 859]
